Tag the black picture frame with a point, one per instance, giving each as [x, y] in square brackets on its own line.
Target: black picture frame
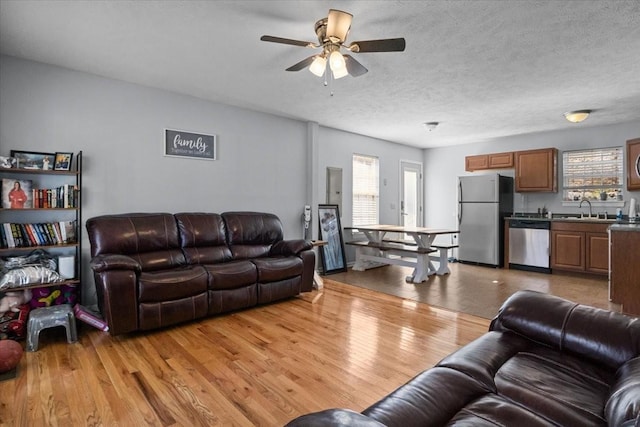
[330, 230]
[62, 161]
[33, 160]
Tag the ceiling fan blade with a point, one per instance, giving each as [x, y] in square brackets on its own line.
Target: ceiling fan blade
[338, 24]
[384, 45]
[302, 64]
[287, 41]
[354, 67]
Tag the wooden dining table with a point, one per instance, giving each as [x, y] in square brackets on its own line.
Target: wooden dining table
[377, 250]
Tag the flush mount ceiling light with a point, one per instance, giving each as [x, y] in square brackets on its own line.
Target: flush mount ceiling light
[577, 116]
[332, 33]
[431, 125]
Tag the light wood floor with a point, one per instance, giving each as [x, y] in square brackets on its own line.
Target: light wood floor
[266, 365]
[263, 366]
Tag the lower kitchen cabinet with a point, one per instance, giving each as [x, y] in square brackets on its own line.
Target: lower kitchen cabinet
[580, 246]
[625, 270]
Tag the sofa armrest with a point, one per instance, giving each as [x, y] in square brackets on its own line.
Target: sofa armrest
[599, 335]
[290, 247]
[107, 262]
[334, 418]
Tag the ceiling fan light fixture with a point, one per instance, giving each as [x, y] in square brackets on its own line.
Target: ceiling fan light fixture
[431, 126]
[318, 66]
[338, 24]
[577, 116]
[340, 73]
[338, 64]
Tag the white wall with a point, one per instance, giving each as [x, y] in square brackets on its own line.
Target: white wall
[443, 166]
[266, 163]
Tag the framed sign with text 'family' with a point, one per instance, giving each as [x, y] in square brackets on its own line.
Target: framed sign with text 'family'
[180, 143]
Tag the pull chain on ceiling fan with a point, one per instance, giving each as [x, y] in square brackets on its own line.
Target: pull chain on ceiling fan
[332, 33]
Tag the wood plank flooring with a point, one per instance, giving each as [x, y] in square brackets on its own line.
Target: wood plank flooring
[258, 367]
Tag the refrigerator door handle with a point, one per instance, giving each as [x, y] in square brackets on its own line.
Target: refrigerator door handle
[460, 203]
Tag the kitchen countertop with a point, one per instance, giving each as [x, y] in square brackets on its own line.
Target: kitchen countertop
[629, 226]
[577, 219]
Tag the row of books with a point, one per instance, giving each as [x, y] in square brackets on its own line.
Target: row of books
[65, 196]
[17, 235]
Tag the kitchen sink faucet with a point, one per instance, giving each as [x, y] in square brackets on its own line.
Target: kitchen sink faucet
[589, 203]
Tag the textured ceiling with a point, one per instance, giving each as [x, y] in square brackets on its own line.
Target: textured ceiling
[483, 69]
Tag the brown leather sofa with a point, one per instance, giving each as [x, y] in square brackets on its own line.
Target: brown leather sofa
[152, 270]
[544, 362]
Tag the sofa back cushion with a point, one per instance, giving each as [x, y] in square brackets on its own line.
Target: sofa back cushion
[149, 238]
[600, 335]
[203, 238]
[251, 234]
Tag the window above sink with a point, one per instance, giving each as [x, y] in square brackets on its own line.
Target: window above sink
[595, 175]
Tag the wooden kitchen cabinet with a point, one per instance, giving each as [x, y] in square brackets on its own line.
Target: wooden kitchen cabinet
[580, 247]
[625, 270]
[489, 161]
[597, 253]
[567, 250]
[633, 164]
[536, 170]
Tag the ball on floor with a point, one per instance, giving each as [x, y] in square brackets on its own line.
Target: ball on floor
[10, 354]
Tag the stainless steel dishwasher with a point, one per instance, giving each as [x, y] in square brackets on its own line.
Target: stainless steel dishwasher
[529, 245]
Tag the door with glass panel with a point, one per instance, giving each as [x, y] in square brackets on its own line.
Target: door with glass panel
[411, 194]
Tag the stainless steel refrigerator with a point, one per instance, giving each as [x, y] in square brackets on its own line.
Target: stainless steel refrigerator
[483, 202]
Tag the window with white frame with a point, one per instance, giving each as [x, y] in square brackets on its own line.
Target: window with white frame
[592, 174]
[365, 190]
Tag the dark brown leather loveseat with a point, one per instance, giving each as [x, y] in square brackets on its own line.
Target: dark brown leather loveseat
[544, 362]
[157, 269]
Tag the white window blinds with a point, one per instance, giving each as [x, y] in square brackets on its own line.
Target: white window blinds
[365, 190]
[592, 174]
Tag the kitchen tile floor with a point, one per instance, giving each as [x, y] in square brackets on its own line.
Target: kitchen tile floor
[479, 290]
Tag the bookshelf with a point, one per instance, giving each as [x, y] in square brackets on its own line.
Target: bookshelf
[51, 218]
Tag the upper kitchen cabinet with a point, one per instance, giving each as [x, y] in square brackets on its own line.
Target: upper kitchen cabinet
[536, 170]
[488, 161]
[633, 164]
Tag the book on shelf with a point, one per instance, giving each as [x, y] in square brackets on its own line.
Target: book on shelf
[65, 196]
[19, 235]
[84, 314]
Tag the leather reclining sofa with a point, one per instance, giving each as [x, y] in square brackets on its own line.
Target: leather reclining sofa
[544, 362]
[153, 270]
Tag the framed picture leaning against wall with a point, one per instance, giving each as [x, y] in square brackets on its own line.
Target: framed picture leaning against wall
[330, 230]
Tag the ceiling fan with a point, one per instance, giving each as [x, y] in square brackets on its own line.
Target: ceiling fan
[332, 33]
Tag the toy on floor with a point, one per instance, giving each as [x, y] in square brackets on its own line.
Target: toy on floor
[10, 354]
[11, 300]
[13, 325]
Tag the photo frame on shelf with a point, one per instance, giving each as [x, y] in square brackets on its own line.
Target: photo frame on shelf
[330, 230]
[33, 160]
[62, 161]
[16, 194]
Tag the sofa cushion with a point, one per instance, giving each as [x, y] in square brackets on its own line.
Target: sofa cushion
[560, 389]
[492, 410]
[151, 239]
[232, 275]
[251, 234]
[430, 399]
[167, 285]
[203, 237]
[272, 269]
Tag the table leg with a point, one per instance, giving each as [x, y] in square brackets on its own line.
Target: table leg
[444, 262]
